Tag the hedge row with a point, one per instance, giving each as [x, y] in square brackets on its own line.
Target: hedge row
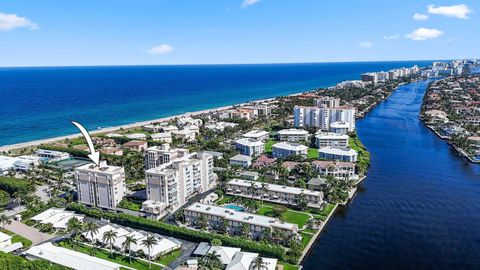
[12, 185]
[275, 251]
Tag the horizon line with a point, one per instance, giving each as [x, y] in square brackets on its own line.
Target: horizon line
[228, 64]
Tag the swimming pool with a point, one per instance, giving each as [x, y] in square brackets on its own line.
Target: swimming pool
[235, 207]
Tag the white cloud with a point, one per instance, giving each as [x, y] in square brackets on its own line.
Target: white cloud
[457, 11]
[365, 44]
[420, 17]
[247, 3]
[391, 37]
[422, 34]
[160, 49]
[11, 21]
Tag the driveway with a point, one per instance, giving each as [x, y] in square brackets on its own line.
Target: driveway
[28, 232]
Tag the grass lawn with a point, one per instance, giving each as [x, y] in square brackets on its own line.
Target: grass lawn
[130, 204]
[117, 258]
[305, 238]
[268, 146]
[287, 266]
[312, 153]
[322, 214]
[166, 260]
[308, 230]
[224, 200]
[18, 238]
[290, 216]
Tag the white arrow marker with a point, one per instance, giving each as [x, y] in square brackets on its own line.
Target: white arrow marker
[94, 155]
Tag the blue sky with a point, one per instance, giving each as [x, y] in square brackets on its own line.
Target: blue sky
[145, 32]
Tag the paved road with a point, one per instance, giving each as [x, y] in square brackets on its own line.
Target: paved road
[30, 233]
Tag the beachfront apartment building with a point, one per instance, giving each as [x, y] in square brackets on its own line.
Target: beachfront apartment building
[52, 155]
[250, 147]
[186, 134]
[293, 135]
[273, 193]
[174, 182]
[157, 155]
[100, 186]
[257, 223]
[331, 140]
[346, 154]
[164, 137]
[337, 169]
[256, 134]
[285, 149]
[322, 118]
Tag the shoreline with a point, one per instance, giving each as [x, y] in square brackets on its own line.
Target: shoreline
[9, 147]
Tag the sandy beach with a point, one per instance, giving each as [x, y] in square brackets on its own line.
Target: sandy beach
[6, 148]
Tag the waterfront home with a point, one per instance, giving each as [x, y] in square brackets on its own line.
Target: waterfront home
[250, 147]
[136, 145]
[241, 160]
[52, 155]
[165, 137]
[285, 149]
[152, 128]
[293, 135]
[104, 142]
[450, 130]
[256, 134]
[6, 164]
[25, 163]
[331, 140]
[475, 140]
[169, 128]
[339, 127]
[273, 193]
[317, 183]
[236, 219]
[263, 161]
[337, 169]
[347, 154]
[100, 186]
[187, 120]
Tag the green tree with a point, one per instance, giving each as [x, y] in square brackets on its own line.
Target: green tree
[74, 227]
[109, 237]
[4, 198]
[210, 261]
[245, 229]
[4, 220]
[216, 242]
[259, 264]
[149, 242]
[91, 228]
[126, 245]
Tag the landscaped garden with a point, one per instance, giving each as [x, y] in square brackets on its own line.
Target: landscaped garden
[288, 215]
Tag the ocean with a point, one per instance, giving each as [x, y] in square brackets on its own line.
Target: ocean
[40, 102]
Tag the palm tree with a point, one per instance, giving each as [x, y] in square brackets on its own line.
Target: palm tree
[109, 237]
[149, 242]
[252, 189]
[126, 245]
[74, 227]
[259, 264]
[210, 261]
[91, 228]
[4, 220]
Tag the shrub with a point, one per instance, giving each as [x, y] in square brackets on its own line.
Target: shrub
[275, 251]
[12, 185]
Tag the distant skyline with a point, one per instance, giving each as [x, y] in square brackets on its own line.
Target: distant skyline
[179, 32]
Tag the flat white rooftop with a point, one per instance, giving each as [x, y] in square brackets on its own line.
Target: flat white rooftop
[249, 142]
[275, 188]
[69, 258]
[293, 131]
[290, 146]
[337, 151]
[242, 217]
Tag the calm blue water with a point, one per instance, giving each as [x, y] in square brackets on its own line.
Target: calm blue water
[38, 103]
[235, 207]
[419, 206]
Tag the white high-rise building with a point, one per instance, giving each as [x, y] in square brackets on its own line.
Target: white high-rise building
[174, 182]
[322, 117]
[158, 155]
[327, 102]
[100, 186]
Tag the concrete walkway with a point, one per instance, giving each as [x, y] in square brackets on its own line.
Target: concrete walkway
[30, 233]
